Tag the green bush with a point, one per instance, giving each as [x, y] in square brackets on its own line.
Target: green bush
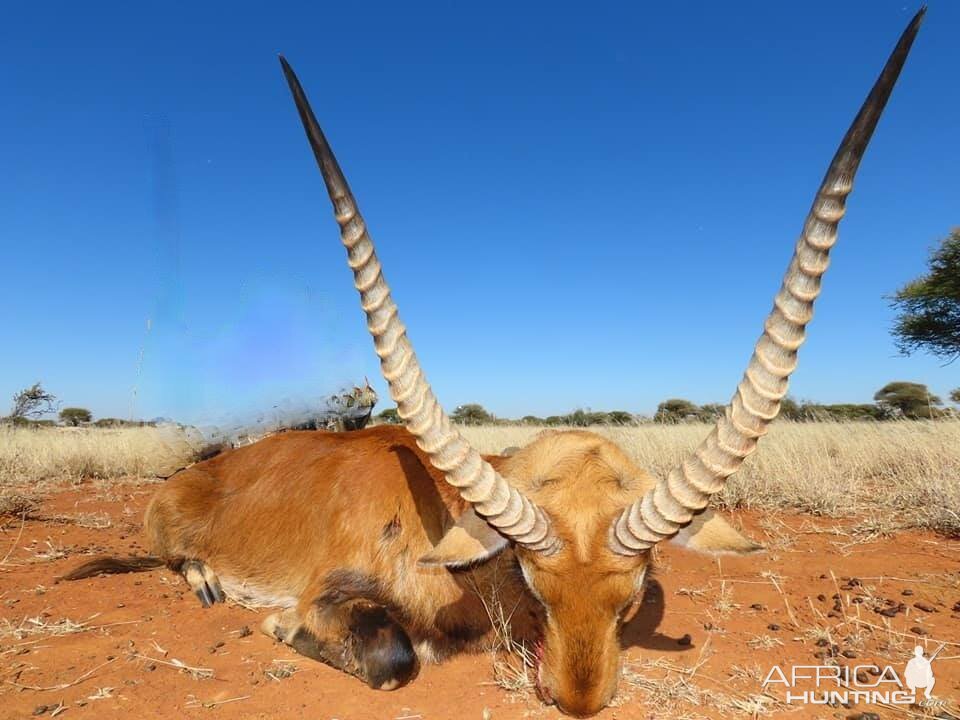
[74, 416]
[472, 414]
[390, 416]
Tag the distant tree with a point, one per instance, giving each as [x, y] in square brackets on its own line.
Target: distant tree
[711, 411]
[472, 414]
[620, 417]
[119, 422]
[676, 410]
[584, 418]
[390, 416]
[32, 402]
[955, 395]
[912, 400]
[929, 306]
[73, 416]
[789, 409]
[844, 411]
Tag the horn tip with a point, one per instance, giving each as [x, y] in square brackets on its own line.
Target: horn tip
[915, 23]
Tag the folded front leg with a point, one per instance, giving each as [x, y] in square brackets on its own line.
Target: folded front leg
[358, 636]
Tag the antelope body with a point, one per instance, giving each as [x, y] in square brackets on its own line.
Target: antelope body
[378, 545]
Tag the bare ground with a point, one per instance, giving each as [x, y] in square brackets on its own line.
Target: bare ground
[709, 631]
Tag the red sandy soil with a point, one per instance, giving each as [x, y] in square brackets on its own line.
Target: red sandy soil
[720, 616]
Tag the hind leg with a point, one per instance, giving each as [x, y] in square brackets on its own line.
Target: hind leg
[358, 636]
[203, 581]
[176, 523]
[177, 520]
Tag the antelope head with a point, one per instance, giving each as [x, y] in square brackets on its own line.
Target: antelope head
[579, 516]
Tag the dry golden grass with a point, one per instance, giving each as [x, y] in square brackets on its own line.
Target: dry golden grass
[896, 474]
[890, 474]
[37, 455]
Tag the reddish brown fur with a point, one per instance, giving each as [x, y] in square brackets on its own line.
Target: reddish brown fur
[326, 518]
[287, 514]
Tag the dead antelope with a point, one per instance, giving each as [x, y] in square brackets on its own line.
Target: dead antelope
[374, 543]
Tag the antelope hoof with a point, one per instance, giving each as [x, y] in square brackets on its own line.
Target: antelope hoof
[280, 625]
[203, 581]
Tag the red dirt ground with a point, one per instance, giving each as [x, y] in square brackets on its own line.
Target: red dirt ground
[742, 616]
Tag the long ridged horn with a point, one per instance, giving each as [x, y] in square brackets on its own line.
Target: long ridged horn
[502, 505]
[671, 504]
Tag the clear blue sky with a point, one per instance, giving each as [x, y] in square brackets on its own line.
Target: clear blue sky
[577, 205]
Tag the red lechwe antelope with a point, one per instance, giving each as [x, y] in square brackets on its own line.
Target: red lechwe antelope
[373, 544]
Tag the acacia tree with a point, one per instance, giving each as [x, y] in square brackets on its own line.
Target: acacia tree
[929, 306]
[73, 416]
[472, 414]
[676, 410]
[910, 399]
[955, 395]
[31, 403]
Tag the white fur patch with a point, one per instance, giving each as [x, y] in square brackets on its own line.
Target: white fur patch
[247, 595]
[426, 652]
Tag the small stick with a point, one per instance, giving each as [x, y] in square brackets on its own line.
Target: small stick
[816, 612]
[179, 665]
[215, 703]
[62, 686]
[907, 580]
[786, 603]
[23, 522]
[843, 607]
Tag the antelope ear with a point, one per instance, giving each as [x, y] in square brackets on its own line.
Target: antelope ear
[470, 541]
[710, 533]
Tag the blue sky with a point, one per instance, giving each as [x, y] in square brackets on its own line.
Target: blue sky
[575, 208]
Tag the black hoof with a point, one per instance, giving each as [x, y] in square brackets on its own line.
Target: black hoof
[203, 581]
[203, 593]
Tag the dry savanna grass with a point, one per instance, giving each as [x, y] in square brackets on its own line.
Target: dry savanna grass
[891, 475]
[42, 455]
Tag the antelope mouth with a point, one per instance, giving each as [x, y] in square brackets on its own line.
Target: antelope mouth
[542, 693]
